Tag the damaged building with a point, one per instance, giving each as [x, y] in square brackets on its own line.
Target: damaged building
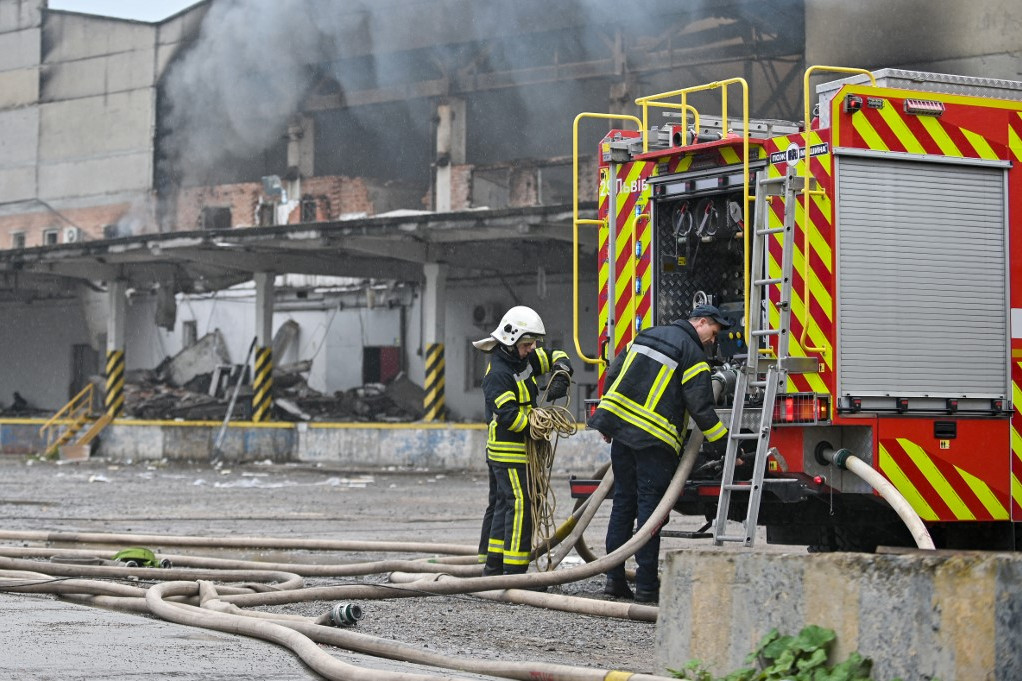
[371, 182]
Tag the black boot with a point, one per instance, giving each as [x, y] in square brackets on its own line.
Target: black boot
[494, 565]
[617, 589]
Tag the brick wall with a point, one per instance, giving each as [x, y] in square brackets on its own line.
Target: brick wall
[333, 197]
[34, 224]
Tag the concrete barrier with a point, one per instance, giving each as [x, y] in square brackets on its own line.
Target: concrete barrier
[358, 445]
[949, 617]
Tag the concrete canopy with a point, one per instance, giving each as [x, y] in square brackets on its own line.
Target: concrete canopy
[498, 243]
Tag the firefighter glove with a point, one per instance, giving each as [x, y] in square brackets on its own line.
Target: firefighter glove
[558, 387]
[717, 448]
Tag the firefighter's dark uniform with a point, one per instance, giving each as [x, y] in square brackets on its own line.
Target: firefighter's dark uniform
[654, 388]
[510, 390]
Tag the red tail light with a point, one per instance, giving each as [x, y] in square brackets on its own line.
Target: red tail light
[798, 408]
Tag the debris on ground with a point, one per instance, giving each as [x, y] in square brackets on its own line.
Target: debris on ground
[196, 385]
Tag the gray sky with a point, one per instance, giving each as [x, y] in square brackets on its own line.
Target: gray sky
[141, 10]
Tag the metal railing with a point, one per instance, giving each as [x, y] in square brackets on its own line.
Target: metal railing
[661, 101]
[72, 416]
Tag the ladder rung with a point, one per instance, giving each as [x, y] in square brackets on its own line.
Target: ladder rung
[757, 384]
[769, 230]
[766, 332]
[768, 282]
[732, 537]
[745, 436]
[737, 488]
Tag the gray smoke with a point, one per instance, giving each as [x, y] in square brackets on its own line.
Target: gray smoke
[232, 93]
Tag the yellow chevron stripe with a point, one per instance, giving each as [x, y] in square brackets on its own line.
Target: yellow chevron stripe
[825, 160]
[1016, 491]
[901, 131]
[816, 240]
[936, 478]
[685, 163]
[868, 134]
[816, 383]
[633, 175]
[940, 136]
[1016, 445]
[980, 144]
[985, 495]
[1015, 142]
[729, 155]
[898, 478]
[816, 336]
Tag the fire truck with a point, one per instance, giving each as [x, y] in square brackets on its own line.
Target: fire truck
[869, 259]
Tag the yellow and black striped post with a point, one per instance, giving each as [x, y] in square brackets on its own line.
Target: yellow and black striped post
[433, 404]
[262, 384]
[113, 401]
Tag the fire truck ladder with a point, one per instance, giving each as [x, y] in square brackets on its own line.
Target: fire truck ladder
[761, 375]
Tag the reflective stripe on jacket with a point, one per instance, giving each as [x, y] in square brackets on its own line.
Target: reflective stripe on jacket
[655, 386]
[510, 389]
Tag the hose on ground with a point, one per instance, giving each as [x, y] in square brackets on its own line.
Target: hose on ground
[310, 653]
[576, 604]
[521, 581]
[237, 542]
[270, 629]
[843, 458]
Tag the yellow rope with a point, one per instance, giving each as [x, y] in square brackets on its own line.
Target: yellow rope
[545, 424]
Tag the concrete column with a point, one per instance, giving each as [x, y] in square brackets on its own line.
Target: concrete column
[262, 377]
[450, 149]
[622, 101]
[113, 400]
[434, 301]
[301, 145]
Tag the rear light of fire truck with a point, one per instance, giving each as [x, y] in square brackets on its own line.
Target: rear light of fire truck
[799, 408]
[591, 407]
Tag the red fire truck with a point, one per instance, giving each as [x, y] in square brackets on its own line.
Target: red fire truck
[871, 266]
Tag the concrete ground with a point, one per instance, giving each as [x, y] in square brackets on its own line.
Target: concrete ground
[47, 638]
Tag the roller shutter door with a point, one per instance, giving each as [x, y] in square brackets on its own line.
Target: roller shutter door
[921, 268]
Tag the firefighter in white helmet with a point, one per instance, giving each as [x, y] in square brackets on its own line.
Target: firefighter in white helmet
[510, 390]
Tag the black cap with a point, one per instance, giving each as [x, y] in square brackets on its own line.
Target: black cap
[710, 312]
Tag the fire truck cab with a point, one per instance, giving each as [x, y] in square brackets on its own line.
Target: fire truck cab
[887, 276]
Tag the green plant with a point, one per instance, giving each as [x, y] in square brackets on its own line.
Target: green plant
[789, 658]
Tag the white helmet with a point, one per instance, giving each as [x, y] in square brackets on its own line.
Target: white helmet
[517, 322]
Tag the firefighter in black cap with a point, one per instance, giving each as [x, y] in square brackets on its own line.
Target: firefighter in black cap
[652, 390]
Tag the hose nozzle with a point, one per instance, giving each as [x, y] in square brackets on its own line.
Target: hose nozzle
[345, 614]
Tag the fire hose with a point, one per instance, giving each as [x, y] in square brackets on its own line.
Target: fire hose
[286, 589]
[843, 458]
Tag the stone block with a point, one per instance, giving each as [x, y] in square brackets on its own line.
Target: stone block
[918, 616]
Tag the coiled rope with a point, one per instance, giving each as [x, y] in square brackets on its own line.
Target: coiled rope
[546, 426]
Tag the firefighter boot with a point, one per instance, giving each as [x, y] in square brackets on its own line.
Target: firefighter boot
[617, 589]
[494, 565]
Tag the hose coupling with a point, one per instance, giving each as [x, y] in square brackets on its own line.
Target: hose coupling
[345, 614]
[841, 456]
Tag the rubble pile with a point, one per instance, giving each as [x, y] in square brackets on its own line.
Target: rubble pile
[197, 385]
[153, 400]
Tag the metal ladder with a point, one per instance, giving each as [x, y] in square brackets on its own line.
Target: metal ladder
[765, 375]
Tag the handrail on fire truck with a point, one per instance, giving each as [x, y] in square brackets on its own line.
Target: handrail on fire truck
[576, 221]
[807, 192]
[722, 85]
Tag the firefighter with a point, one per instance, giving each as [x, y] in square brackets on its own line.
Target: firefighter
[654, 388]
[510, 391]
